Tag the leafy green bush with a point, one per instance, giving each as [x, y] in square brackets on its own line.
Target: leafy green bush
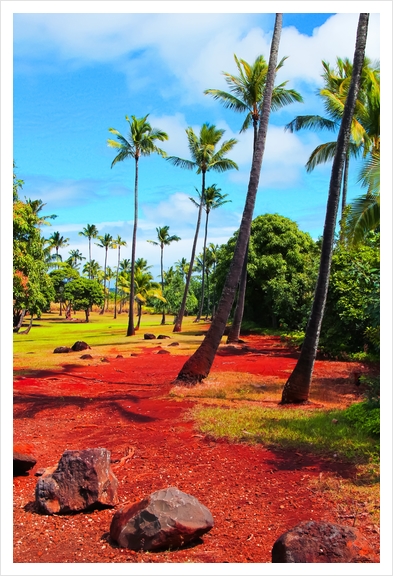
[365, 417]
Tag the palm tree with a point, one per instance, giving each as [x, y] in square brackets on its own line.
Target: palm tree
[56, 241]
[37, 206]
[164, 239]
[90, 231]
[297, 388]
[75, 258]
[105, 242]
[117, 243]
[204, 158]
[246, 96]
[108, 276]
[213, 199]
[182, 266]
[140, 142]
[198, 365]
[145, 288]
[91, 269]
[125, 265]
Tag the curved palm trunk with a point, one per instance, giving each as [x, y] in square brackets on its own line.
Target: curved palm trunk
[234, 332]
[131, 327]
[296, 389]
[344, 195]
[198, 365]
[179, 318]
[117, 279]
[162, 282]
[203, 270]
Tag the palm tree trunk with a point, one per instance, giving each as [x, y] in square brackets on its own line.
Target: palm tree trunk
[203, 270]
[344, 196]
[234, 332]
[117, 279]
[198, 365]
[179, 318]
[296, 389]
[131, 327]
[106, 255]
[89, 258]
[162, 283]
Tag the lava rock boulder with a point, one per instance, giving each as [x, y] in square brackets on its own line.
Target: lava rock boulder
[166, 519]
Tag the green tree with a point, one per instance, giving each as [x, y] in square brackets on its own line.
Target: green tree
[56, 241]
[89, 232]
[82, 293]
[117, 244]
[297, 387]
[246, 97]
[145, 288]
[198, 365]
[91, 269]
[205, 157]
[106, 242]
[141, 141]
[164, 239]
[75, 258]
[59, 278]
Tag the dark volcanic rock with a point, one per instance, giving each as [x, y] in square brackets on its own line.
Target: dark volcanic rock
[163, 352]
[322, 542]
[86, 357]
[149, 336]
[62, 350]
[163, 337]
[166, 519]
[23, 463]
[174, 344]
[80, 345]
[83, 479]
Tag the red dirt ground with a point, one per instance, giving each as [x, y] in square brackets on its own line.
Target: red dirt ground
[254, 494]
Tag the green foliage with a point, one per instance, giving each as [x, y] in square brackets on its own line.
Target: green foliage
[351, 321]
[364, 417]
[281, 272]
[83, 293]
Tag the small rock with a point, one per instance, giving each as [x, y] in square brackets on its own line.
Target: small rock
[62, 350]
[322, 542]
[104, 360]
[166, 519]
[149, 336]
[174, 344]
[86, 357]
[119, 356]
[163, 337]
[23, 463]
[162, 352]
[334, 421]
[80, 345]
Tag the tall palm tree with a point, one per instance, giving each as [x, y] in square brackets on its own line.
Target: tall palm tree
[297, 387]
[205, 157]
[75, 258]
[145, 288]
[91, 269]
[106, 242]
[117, 243]
[246, 96]
[90, 231]
[198, 365]
[140, 142]
[213, 199]
[164, 239]
[56, 241]
[37, 206]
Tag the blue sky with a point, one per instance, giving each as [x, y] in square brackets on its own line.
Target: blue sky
[76, 74]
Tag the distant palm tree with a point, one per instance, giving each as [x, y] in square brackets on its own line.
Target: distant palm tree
[37, 206]
[205, 157]
[91, 269]
[106, 242]
[182, 265]
[164, 239]
[75, 258]
[89, 232]
[109, 275]
[117, 243]
[213, 199]
[145, 288]
[140, 142]
[56, 241]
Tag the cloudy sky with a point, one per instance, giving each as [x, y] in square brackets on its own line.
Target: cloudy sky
[77, 73]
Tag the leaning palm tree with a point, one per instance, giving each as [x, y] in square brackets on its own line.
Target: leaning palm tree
[164, 239]
[246, 97]
[297, 387]
[117, 243]
[106, 242]
[89, 232]
[140, 142]
[145, 288]
[213, 199]
[198, 365]
[56, 241]
[205, 157]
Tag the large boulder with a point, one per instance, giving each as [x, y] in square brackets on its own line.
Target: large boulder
[79, 346]
[166, 519]
[322, 542]
[82, 480]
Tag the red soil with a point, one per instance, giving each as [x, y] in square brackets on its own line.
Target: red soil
[254, 494]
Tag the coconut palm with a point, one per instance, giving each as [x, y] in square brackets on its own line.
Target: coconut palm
[297, 387]
[145, 288]
[182, 266]
[117, 243]
[91, 269]
[37, 206]
[106, 242]
[75, 258]
[246, 96]
[140, 142]
[213, 199]
[89, 232]
[205, 157]
[56, 241]
[164, 239]
[198, 365]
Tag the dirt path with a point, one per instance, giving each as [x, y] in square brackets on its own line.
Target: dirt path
[254, 494]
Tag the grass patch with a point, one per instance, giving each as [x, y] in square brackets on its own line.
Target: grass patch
[322, 432]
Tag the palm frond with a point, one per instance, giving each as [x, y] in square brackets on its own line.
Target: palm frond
[363, 217]
[313, 122]
[322, 154]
